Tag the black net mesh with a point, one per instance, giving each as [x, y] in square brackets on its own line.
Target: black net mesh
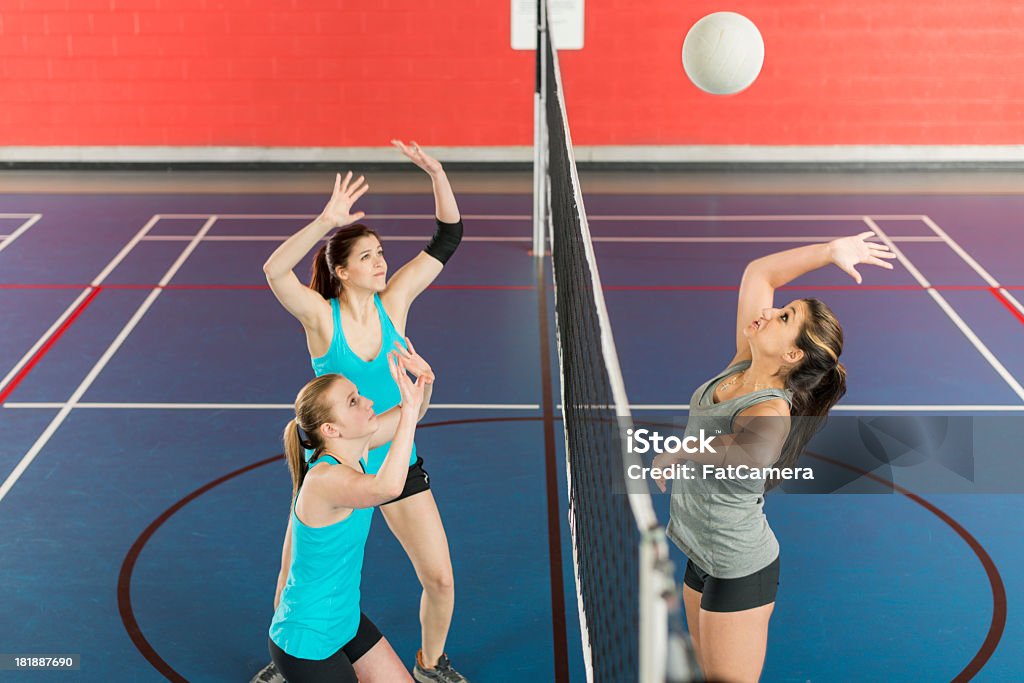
[606, 540]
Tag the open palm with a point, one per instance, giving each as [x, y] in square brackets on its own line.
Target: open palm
[418, 156]
[848, 252]
[338, 211]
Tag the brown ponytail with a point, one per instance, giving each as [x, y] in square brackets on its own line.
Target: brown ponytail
[311, 410]
[817, 383]
[295, 456]
[333, 254]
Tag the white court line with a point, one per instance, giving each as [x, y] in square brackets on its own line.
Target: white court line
[98, 280]
[985, 275]
[250, 406]
[36, 405]
[516, 238]
[758, 218]
[32, 220]
[109, 353]
[387, 216]
[389, 238]
[944, 305]
[747, 238]
[865, 408]
[528, 217]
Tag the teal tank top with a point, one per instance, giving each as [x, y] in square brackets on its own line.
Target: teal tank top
[319, 608]
[372, 378]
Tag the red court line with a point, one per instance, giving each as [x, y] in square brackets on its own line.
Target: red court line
[43, 286]
[612, 288]
[38, 355]
[851, 288]
[1010, 307]
[236, 287]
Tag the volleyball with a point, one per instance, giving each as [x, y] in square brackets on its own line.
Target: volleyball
[723, 53]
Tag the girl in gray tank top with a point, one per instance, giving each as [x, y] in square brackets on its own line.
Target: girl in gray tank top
[761, 410]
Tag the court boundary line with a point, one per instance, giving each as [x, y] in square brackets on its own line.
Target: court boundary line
[99, 405]
[895, 407]
[607, 288]
[100, 364]
[17, 375]
[997, 289]
[32, 219]
[146, 649]
[690, 217]
[96, 282]
[102, 405]
[949, 311]
[642, 239]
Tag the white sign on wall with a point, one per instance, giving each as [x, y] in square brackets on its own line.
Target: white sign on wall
[566, 24]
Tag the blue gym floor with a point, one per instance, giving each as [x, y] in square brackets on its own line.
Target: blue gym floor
[144, 505]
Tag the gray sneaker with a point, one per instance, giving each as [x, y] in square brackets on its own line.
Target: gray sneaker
[268, 674]
[442, 673]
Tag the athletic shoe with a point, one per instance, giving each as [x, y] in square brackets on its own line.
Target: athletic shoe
[268, 674]
[442, 673]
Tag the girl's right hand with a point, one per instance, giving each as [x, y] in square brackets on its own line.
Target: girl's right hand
[412, 392]
[848, 252]
[338, 212]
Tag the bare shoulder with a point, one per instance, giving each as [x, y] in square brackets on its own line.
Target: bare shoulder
[397, 308]
[775, 407]
[769, 420]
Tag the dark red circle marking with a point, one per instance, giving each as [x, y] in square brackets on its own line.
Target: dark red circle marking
[992, 638]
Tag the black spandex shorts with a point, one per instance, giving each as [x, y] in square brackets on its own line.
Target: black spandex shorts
[337, 668]
[416, 481]
[734, 595]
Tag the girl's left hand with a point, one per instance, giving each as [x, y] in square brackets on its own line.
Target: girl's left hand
[414, 362]
[848, 252]
[661, 461]
[419, 157]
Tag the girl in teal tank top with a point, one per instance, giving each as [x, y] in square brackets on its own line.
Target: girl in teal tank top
[352, 316]
[318, 629]
[372, 377]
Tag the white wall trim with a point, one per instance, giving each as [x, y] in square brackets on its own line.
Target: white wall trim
[675, 154]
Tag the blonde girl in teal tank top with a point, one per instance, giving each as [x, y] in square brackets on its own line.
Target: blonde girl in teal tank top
[352, 314]
[786, 366]
[318, 631]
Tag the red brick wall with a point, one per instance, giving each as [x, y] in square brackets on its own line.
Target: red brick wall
[342, 73]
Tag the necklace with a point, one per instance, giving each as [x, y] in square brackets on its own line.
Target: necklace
[734, 380]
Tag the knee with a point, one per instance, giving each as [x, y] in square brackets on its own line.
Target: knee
[439, 581]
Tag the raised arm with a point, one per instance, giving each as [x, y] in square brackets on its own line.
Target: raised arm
[766, 274]
[308, 306]
[416, 275]
[344, 487]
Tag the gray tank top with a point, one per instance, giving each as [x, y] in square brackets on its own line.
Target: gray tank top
[720, 524]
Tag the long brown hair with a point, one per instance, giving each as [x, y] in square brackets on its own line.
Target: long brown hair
[334, 253]
[817, 383]
[311, 410]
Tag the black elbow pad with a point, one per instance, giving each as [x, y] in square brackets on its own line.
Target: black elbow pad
[445, 241]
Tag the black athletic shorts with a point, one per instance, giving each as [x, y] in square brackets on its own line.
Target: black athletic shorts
[337, 668]
[733, 595]
[416, 481]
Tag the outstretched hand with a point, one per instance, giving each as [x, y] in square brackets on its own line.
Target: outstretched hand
[412, 392]
[419, 157]
[848, 252]
[414, 362]
[338, 211]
